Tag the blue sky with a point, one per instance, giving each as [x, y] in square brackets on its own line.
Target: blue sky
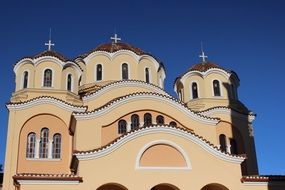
[245, 36]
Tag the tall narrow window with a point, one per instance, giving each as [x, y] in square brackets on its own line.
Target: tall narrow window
[223, 143]
[31, 144]
[125, 71]
[44, 143]
[25, 79]
[233, 146]
[216, 86]
[99, 72]
[56, 146]
[122, 127]
[47, 78]
[160, 120]
[135, 122]
[147, 75]
[194, 90]
[147, 119]
[69, 82]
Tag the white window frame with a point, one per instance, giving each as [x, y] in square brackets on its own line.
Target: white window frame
[43, 77]
[95, 72]
[198, 90]
[212, 87]
[22, 79]
[121, 71]
[72, 82]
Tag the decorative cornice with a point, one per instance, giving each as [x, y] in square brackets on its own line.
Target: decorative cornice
[45, 100]
[145, 96]
[31, 178]
[120, 84]
[263, 180]
[229, 111]
[203, 143]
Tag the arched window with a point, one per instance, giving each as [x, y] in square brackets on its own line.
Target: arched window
[160, 120]
[147, 75]
[44, 143]
[233, 146]
[194, 90]
[56, 146]
[147, 119]
[69, 82]
[99, 72]
[135, 122]
[125, 71]
[122, 127]
[31, 144]
[216, 87]
[25, 79]
[47, 78]
[173, 124]
[223, 143]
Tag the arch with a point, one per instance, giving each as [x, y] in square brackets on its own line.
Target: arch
[162, 154]
[122, 127]
[135, 122]
[112, 186]
[56, 146]
[194, 88]
[69, 84]
[173, 124]
[25, 79]
[216, 88]
[147, 119]
[214, 186]
[47, 78]
[125, 71]
[44, 143]
[99, 72]
[164, 186]
[31, 145]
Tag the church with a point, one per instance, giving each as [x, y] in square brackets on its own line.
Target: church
[103, 121]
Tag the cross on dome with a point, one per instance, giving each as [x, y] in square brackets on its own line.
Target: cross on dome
[49, 44]
[115, 38]
[203, 56]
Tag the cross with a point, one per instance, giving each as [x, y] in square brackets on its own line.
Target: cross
[116, 38]
[203, 56]
[49, 44]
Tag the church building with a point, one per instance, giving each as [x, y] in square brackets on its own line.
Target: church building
[103, 121]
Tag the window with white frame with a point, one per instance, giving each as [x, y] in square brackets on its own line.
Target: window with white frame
[31, 145]
[47, 78]
[43, 153]
[56, 146]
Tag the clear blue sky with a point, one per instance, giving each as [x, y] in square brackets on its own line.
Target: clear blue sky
[247, 36]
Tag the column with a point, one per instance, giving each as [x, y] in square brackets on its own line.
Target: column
[50, 141]
[129, 126]
[37, 148]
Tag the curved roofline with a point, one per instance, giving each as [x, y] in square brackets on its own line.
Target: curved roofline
[144, 96]
[119, 84]
[45, 100]
[119, 142]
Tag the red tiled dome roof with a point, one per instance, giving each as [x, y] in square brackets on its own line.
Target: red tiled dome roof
[113, 47]
[204, 66]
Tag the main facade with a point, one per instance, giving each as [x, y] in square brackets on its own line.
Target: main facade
[103, 121]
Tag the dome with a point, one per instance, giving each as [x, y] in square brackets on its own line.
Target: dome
[114, 47]
[204, 66]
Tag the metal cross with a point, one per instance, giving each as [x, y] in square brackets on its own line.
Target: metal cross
[116, 38]
[49, 44]
[203, 56]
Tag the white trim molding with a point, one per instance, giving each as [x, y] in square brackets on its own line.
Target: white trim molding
[90, 155]
[166, 100]
[48, 182]
[122, 84]
[165, 142]
[45, 100]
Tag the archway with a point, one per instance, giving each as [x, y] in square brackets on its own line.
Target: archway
[214, 186]
[164, 186]
[112, 186]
